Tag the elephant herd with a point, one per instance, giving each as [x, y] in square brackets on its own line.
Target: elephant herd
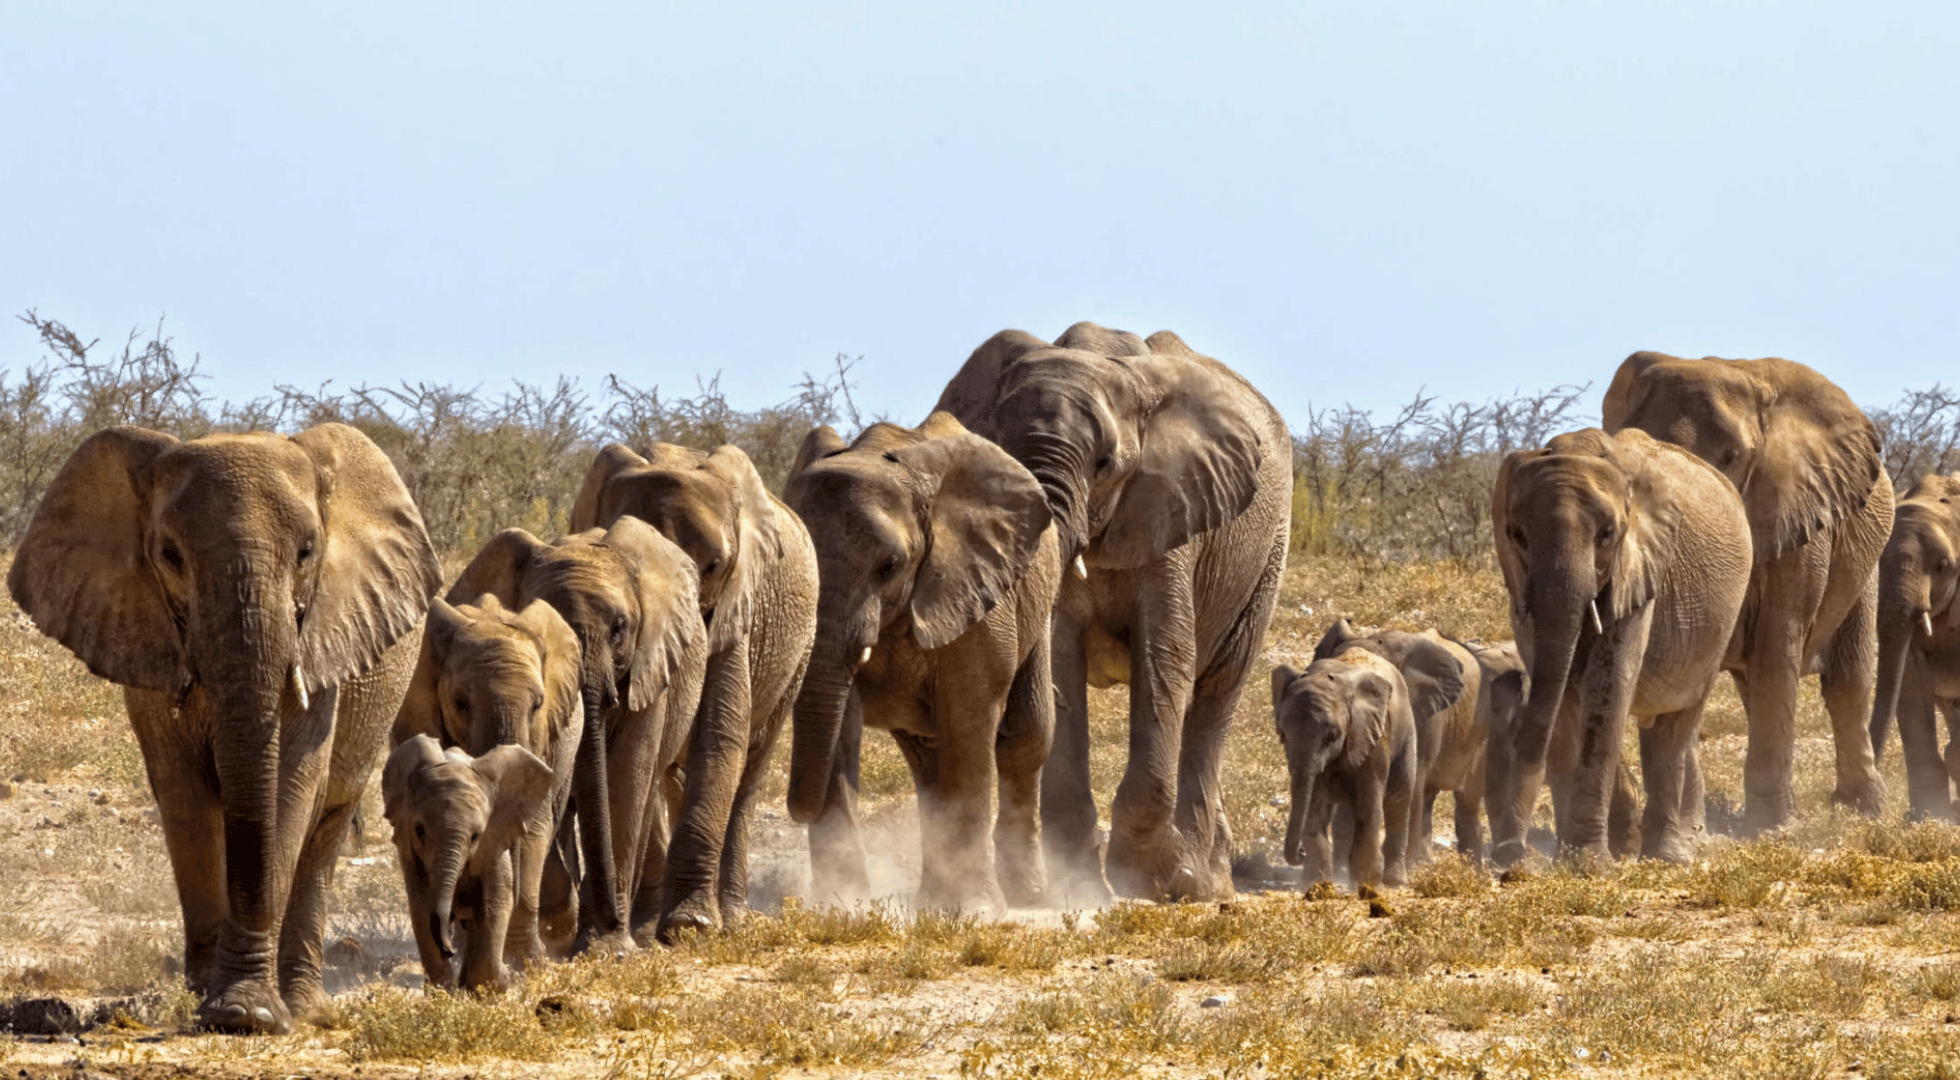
[575, 731]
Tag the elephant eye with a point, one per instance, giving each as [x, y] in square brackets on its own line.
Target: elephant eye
[1730, 456]
[1606, 533]
[619, 626]
[420, 832]
[462, 704]
[173, 557]
[537, 702]
[889, 568]
[306, 551]
[1102, 465]
[709, 570]
[1517, 537]
[1944, 565]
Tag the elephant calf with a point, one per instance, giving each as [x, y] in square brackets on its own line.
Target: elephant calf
[938, 565]
[456, 818]
[1349, 733]
[487, 677]
[1919, 641]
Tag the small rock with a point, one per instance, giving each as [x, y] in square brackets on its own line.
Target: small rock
[1214, 1002]
[95, 795]
[1379, 909]
[46, 1016]
[6, 789]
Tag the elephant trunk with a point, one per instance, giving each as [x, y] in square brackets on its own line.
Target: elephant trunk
[1296, 816]
[819, 716]
[1561, 594]
[1059, 466]
[449, 870]
[1901, 608]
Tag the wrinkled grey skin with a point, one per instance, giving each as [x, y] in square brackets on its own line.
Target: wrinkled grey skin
[488, 677]
[759, 601]
[1919, 641]
[939, 566]
[1806, 462]
[632, 599]
[1170, 480]
[256, 596]
[1349, 735]
[457, 818]
[1445, 684]
[1626, 560]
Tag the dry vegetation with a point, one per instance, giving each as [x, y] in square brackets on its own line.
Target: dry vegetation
[1824, 951]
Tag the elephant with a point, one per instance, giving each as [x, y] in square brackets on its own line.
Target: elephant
[1170, 481]
[1626, 560]
[1348, 729]
[759, 602]
[1806, 462]
[487, 677]
[1446, 693]
[1919, 641]
[256, 596]
[456, 818]
[939, 566]
[632, 599]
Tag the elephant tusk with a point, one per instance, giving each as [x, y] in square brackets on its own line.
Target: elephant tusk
[1081, 571]
[1597, 627]
[865, 656]
[1926, 622]
[297, 683]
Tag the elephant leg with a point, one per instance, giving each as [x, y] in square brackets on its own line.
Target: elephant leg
[601, 918]
[1317, 851]
[1952, 754]
[1469, 824]
[717, 762]
[1366, 856]
[1623, 814]
[1340, 825]
[183, 780]
[1927, 782]
[524, 942]
[1606, 692]
[1148, 855]
[837, 866]
[1562, 762]
[559, 883]
[1422, 826]
[1694, 794]
[483, 964]
[1026, 731]
[1848, 674]
[1776, 661]
[1068, 804]
[305, 926]
[640, 799]
[1667, 754]
[1399, 813]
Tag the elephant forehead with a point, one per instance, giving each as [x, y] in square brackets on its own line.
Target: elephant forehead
[1567, 480]
[854, 484]
[492, 647]
[451, 785]
[222, 474]
[577, 577]
[1693, 388]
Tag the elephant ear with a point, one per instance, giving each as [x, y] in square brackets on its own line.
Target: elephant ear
[1654, 513]
[1433, 674]
[821, 442]
[1934, 486]
[421, 708]
[1369, 713]
[82, 572]
[1283, 677]
[499, 569]
[1817, 463]
[377, 567]
[1628, 388]
[610, 462]
[558, 653]
[517, 783]
[1335, 639]
[1198, 462]
[668, 588]
[758, 541]
[398, 785]
[975, 388]
[1508, 560]
[1506, 694]
[985, 516]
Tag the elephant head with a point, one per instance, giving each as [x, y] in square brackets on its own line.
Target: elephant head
[713, 505]
[1582, 546]
[1434, 675]
[454, 816]
[1918, 578]
[629, 595]
[1802, 455]
[489, 676]
[1330, 718]
[1139, 445]
[918, 532]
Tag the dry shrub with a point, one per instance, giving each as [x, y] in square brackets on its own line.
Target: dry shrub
[395, 1025]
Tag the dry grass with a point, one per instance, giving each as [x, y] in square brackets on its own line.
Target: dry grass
[1798, 955]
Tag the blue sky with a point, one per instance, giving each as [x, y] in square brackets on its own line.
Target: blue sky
[1344, 201]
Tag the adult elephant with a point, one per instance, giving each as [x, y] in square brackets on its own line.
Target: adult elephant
[759, 601]
[1919, 640]
[1806, 462]
[631, 598]
[256, 597]
[1626, 559]
[1170, 481]
[939, 567]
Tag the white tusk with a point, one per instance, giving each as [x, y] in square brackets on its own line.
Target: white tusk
[297, 683]
[1926, 621]
[865, 657]
[1081, 571]
[1597, 628]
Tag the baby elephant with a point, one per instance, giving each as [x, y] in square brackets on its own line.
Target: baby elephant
[456, 818]
[1350, 738]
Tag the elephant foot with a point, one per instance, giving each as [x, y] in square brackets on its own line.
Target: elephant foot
[1767, 813]
[1867, 798]
[1165, 869]
[694, 913]
[734, 911]
[245, 1008]
[1676, 849]
[619, 945]
[307, 1002]
[1505, 854]
[1025, 890]
[1588, 859]
[985, 901]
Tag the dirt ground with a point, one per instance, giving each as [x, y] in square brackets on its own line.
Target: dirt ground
[1826, 951]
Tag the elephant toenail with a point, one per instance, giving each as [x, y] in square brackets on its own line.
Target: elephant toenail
[263, 1015]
